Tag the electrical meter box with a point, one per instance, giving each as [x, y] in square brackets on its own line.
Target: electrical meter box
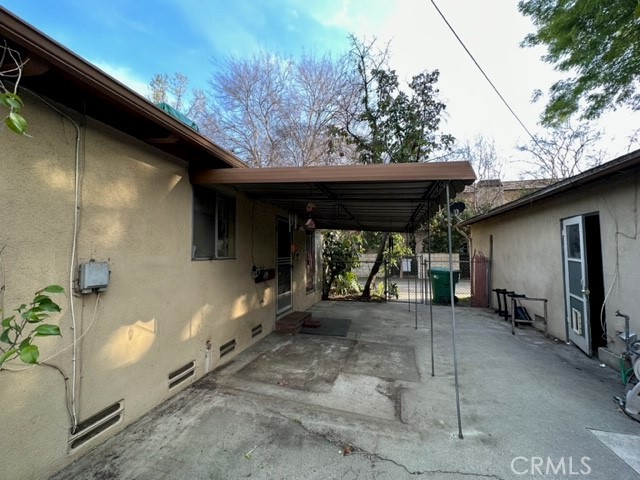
[94, 276]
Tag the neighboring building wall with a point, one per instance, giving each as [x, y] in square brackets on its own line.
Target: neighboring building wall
[515, 189]
[160, 309]
[494, 193]
[527, 250]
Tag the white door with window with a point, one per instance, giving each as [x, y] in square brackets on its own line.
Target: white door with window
[284, 301]
[576, 283]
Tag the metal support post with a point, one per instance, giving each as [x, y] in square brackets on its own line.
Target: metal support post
[429, 292]
[418, 271]
[453, 315]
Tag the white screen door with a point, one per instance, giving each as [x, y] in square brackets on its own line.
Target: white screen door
[576, 283]
[284, 266]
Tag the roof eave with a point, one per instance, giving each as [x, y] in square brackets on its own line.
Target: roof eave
[100, 83]
[614, 166]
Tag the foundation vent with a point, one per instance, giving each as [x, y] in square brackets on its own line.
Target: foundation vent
[228, 347]
[97, 424]
[257, 330]
[182, 374]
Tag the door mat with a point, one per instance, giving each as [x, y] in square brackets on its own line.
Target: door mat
[334, 327]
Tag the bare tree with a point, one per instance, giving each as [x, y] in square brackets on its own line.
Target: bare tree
[159, 88]
[175, 91]
[633, 140]
[564, 151]
[245, 96]
[275, 111]
[481, 153]
[318, 87]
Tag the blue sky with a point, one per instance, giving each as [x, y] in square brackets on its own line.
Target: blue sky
[139, 38]
[133, 39]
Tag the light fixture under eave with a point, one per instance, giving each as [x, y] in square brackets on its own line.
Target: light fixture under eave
[310, 225]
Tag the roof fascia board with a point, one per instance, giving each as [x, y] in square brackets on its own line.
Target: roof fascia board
[400, 172]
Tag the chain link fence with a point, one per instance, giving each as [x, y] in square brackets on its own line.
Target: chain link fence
[408, 280]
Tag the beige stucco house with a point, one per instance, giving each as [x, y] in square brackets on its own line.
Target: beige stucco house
[104, 178]
[157, 235]
[574, 243]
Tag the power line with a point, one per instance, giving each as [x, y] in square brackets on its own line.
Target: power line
[515, 115]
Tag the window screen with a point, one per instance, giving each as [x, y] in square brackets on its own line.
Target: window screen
[214, 225]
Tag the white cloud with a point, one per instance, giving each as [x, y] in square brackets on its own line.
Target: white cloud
[124, 75]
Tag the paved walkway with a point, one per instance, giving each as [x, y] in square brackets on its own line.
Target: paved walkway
[365, 406]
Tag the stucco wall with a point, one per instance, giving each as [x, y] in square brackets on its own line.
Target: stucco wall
[161, 307]
[527, 249]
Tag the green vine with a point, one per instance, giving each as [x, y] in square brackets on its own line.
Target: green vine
[14, 120]
[11, 65]
[21, 329]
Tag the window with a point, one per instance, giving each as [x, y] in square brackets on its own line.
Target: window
[310, 250]
[214, 225]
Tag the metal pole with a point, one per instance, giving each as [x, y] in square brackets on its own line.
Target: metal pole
[429, 292]
[423, 266]
[489, 283]
[415, 290]
[453, 316]
[408, 284]
[418, 270]
[386, 280]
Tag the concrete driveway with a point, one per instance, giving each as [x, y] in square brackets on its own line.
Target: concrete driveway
[365, 406]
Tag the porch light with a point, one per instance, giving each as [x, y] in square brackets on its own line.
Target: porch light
[310, 225]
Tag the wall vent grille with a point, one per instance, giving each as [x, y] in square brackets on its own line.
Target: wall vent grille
[96, 424]
[182, 374]
[257, 330]
[228, 348]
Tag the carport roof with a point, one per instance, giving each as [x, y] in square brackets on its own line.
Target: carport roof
[393, 197]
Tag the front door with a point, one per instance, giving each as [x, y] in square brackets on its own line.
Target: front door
[576, 283]
[284, 266]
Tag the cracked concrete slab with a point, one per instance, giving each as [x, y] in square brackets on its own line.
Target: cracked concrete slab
[310, 363]
[383, 360]
[293, 406]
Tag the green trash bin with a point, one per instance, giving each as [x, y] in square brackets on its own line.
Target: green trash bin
[441, 285]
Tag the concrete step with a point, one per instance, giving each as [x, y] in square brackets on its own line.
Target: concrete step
[293, 322]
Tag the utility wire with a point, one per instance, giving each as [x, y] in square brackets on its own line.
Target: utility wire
[515, 115]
